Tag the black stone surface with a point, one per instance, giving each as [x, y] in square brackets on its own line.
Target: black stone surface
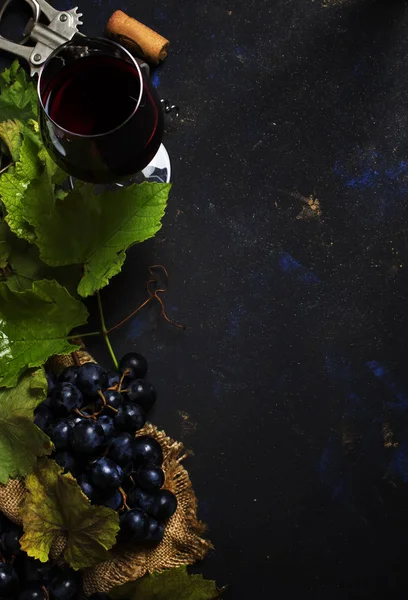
[286, 244]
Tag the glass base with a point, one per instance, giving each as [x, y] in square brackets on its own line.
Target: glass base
[158, 171]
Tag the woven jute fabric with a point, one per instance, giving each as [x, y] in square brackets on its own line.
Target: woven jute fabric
[182, 543]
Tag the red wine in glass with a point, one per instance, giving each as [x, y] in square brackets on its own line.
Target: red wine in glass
[100, 118]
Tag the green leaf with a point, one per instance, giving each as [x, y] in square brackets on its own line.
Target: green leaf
[29, 166]
[10, 133]
[55, 504]
[12, 190]
[96, 230]
[20, 440]
[174, 584]
[18, 95]
[34, 325]
[5, 248]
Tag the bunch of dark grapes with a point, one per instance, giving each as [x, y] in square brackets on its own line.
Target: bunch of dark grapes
[92, 417]
[24, 578]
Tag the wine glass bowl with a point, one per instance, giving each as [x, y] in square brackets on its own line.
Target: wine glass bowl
[100, 118]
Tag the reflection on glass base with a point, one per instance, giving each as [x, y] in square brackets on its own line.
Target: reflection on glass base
[158, 171]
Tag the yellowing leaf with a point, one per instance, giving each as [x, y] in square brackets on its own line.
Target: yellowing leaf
[94, 230]
[10, 133]
[20, 440]
[34, 325]
[174, 584]
[55, 504]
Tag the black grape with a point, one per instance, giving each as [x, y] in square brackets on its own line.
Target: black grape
[43, 417]
[65, 460]
[51, 381]
[142, 392]
[34, 570]
[86, 486]
[10, 542]
[60, 434]
[8, 581]
[120, 449]
[87, 437]
[91, 379]
[113, 379]
[113, 399]
[108, 426]
[130, 418]
[69, 375]
[150, 477]
[65, 397]
[134, 525]
[114, 501]
[146, 451]
[104, 473]
[35, 591]
[135, 364]
[64, 586]
[164, 505]
[138, 498]
[155, 530]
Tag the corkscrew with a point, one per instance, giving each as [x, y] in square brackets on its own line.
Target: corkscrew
[62, 27]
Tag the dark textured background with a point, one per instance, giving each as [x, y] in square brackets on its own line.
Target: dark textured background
[285, 240]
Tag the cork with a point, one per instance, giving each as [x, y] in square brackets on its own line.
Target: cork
[138, 38]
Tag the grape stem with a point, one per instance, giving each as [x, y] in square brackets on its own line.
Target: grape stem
[105, 332]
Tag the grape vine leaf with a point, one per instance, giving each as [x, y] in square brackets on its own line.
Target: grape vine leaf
[18, 95]
[34, 325]
[10, 133]
[172, 584]
[94, 230]
[20, 440]
[20, 265]
[55, 504]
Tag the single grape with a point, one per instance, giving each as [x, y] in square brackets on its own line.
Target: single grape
[113, 501]
[60, 433]
[155, 531]
[47, 402]
[8, 581]
[64, 586]
[33, 570]
[113, 379]
[91, 379]
[87, 437]
[146, 451]
[69, 375]
[130, 418]
[120, 449]
[108, 426]
[43, 417]
[65, 397]
[65, 460]
[35, 591]
[105, 474]
[86, 486]
[164, 505]
[113, 399]
[135, 364]
[138, 498]
[150, 477]
[142, 392]
[51, 381]
[134, 525]
[10, 542]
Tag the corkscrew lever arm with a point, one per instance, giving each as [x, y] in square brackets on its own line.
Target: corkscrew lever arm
[62, 27]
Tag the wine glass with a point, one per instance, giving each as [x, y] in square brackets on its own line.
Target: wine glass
[100, 117]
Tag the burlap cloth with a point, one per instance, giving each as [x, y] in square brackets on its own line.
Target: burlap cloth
[182, 543]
